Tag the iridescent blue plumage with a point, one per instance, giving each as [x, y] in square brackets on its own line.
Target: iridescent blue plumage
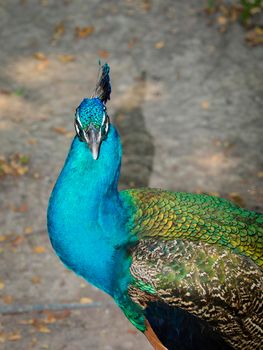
[91, 110]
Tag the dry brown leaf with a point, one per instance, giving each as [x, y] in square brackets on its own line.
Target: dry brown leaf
[39, 249]
[44, 2]
[32, 141]
[43, 328]
[60, 130]
[8, 299]
[85, 300]
[17, 241]
[205, 104]
[83, 32]
[27, 322]
[2, 284]
[14, 336]
[59, 31]
[15, 164]
[36, 280]
[42, 66]
[104, 54]
[66, 58]
[28, 230]
[52, 317]
[3, 337]
[22, 208]
[40, 56]
[70, 134]
[146, 5]
[255, 37]
[159, 44]
[3, 238]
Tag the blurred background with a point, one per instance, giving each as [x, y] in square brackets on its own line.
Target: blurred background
[187, 80]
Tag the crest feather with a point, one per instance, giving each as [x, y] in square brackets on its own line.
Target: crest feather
[103, 88]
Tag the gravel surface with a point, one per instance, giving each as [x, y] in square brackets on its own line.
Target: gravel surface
[187, 100]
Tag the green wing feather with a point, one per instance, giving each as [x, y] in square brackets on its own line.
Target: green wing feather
[195, 217]
[202, 254]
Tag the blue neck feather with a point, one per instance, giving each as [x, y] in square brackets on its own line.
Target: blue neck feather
[85, 215]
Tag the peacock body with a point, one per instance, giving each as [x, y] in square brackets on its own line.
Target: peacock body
[186, 269]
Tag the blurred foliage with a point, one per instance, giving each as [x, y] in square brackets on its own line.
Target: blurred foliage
[247, 8]
[248, 12]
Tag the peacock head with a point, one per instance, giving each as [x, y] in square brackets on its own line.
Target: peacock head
[91, 119]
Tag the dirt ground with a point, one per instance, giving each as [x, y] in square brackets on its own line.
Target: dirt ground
[187, 99]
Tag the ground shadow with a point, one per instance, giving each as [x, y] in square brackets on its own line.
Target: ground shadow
[137, 143]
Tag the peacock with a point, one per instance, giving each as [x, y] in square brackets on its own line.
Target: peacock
[185, 269]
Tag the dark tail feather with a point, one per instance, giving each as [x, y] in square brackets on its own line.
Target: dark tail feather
[103, 88]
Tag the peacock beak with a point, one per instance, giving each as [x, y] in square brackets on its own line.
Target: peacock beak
[93, 139]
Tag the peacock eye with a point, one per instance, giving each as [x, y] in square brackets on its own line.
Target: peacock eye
[79, 131]
[105, 127]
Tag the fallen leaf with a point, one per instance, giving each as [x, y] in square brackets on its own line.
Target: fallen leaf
[8, 299]
[255, 37]
[40, 56]
[260, 174]
[43, 329]
[14, 336]
[3, 238]
[104, 54]
[36, 279]
[146, 5]
[44, 2]
[52, 317]
[42, 66]
[66, 58]
[39, 249]
[83, 32]
[205, 104]
[22, 208]
[3, 337]
[27, 322]
[159, 44]
[2, 284]
[222, 20]
[14, 165]
[60, 130]
[17, 241]
[59, 31]
[85, 300]
[28, 230]
[70, 134]
[32, 141]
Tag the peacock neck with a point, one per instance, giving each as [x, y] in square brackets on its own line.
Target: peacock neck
[85, 215]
